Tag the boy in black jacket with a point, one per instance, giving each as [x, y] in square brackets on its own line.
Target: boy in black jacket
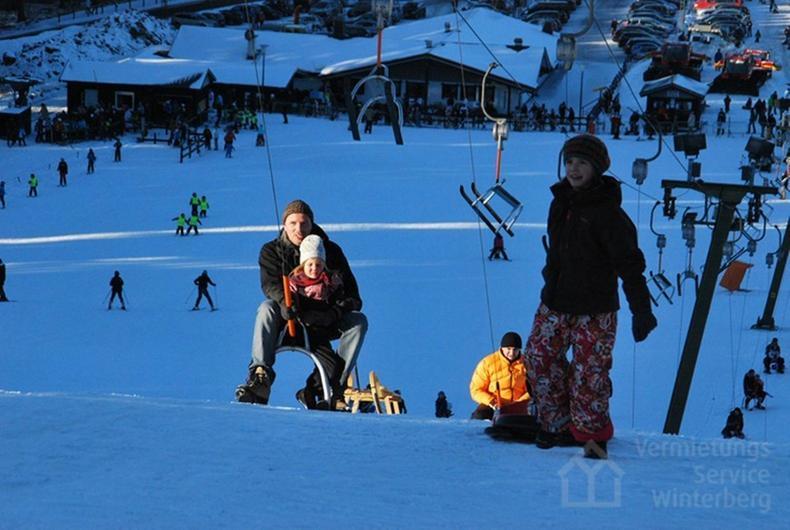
[592, 243]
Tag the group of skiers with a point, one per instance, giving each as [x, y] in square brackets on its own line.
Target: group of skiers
[754, 389]
[63, 173]
[116, 289]
[199, 209]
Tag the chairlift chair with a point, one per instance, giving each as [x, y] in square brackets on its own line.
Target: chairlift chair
[689, 218]
[481, 203]
[663, 287]
[379, 75]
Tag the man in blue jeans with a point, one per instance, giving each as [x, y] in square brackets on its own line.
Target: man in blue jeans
[278, 257]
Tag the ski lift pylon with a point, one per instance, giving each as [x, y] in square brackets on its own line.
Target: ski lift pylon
[487, 213]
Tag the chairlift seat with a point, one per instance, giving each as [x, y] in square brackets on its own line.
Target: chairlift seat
[664, 287]
[488, 214]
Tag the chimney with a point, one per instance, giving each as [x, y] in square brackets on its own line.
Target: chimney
[518, 44]
[428, 43]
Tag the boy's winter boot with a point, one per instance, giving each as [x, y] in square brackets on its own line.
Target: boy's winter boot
[595, 450]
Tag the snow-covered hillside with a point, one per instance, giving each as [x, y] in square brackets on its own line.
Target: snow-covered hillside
[113, 419]
[44, 56]
[416, 251]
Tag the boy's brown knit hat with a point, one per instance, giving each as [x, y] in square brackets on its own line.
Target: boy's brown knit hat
[589, 148]
[298, 206]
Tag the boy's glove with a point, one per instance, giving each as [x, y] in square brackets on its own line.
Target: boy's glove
[642, 324]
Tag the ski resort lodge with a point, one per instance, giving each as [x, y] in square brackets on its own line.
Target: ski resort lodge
[427, 59]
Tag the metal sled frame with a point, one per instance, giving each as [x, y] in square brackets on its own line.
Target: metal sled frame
[487, 214]
[306, 350]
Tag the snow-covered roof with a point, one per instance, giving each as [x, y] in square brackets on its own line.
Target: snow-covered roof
[678, 81]
[139, 71]
[13, 110]
[445, 32]
[224, 49]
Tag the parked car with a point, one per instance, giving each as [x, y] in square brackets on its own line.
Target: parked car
[557, 5]
[413, 10]
[544, 14]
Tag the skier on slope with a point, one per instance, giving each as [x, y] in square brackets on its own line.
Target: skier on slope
[3, 297]
[194, 203]
[63, 171]
[91, 161]
[181, 223]
[116, 287]
[202, 282]
[592, 243]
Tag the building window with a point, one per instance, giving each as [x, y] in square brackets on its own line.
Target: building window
[124, 99]
[471, 92]
[90, 97]
[416, 90]
[449, 91]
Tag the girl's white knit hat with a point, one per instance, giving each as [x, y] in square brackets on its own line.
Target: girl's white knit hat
[312, 247]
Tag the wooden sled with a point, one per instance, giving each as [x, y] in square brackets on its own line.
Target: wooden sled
[382, 400]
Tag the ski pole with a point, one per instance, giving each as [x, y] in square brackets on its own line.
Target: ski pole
[190, 295]
[498, 397]
[288, 304]
[216, 297]
[356, 376]
[106, 297]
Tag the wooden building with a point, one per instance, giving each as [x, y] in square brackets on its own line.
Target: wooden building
[674, 102]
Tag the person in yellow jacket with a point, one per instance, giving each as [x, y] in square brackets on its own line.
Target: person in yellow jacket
[500, 378]
[33, 183]
[181, 223]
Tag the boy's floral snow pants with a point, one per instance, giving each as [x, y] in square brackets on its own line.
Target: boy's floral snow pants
[575, 392]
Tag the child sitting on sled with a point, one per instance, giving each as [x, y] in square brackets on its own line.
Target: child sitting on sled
[316, 289]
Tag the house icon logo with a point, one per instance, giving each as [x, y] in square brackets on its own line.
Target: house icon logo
[591, 483]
